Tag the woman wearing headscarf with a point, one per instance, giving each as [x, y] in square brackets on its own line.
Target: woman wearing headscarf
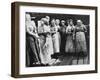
[32, 47]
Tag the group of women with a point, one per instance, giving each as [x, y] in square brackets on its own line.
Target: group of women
[53, 37]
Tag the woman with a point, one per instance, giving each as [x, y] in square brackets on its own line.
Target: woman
[63, 37]
[57, 22]
[55, 35]
[81, 48]
[32, 47]
[69, 48]
[45, 42]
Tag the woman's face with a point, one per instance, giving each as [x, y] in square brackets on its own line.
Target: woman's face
[48, 18]
[63, 23]
[27, 17]
[79, 23]
[53, 22]
[71, 22]
[57, 21]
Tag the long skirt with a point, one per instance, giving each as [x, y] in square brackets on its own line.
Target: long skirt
[46, 52]
[80, 42]
[69, 48]
[56, 45]
[62, 42]
[32, 51]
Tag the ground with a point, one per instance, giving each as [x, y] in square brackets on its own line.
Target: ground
[70, 60]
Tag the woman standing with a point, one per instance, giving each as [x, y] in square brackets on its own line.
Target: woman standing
[46, 42]
[32, 47]
[69, 48]
[55, 35]
[62, 37]
[81, 48]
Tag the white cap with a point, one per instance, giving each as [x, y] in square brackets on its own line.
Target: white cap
[79, 21]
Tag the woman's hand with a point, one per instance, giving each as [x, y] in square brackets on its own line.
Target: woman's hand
[45, 45]
[36, 35]
[73, 36]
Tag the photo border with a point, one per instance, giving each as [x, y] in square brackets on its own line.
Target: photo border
[15, 38]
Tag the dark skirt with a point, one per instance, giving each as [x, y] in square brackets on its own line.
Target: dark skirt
[32, 50]
[63, 42]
